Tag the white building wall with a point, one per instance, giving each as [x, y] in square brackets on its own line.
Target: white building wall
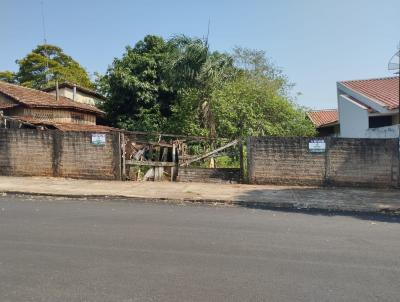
[383, 132]
[353, 118]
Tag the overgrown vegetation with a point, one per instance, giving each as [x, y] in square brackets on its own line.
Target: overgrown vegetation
[180, 86]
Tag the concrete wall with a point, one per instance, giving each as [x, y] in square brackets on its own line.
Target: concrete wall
[353, 118]
[219, 175]
[346, 162]
[383, 132]
[26, 152]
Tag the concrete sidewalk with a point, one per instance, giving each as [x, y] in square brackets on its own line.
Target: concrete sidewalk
[335, 199]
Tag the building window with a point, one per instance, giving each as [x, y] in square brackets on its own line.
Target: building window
[380, 121]
[43, 115]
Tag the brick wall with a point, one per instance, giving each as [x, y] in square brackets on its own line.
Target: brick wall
[219, 175]
[25, 152]
[365, 162]
[347, 162]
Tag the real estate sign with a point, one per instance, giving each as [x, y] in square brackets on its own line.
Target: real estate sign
[98, 139]
[317, 146]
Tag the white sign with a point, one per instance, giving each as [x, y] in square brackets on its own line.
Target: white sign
[317, 146]
[98, 139]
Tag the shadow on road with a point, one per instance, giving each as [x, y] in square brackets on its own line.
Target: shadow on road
[367, 204]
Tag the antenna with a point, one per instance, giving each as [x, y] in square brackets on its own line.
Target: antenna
[43, 22]
[208, 31]
[47, 76]
[394, 65]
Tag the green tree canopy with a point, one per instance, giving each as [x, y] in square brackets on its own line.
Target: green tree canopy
[251, 106]
[7, 76]
[45, 65]
[180, 86]
[139, 93]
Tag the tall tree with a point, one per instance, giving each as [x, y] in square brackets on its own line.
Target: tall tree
[139, 93]
[45, 65]
[197, 71]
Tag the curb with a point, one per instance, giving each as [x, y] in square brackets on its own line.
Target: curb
[275, 206]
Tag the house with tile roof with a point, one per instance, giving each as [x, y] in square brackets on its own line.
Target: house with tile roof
[369, 108]
[77, 93]
[25, 107]
[325, 121]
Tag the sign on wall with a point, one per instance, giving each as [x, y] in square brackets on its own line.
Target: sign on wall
[317, 146]
[98, 139]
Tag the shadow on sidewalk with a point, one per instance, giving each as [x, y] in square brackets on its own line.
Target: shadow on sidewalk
[367, 204]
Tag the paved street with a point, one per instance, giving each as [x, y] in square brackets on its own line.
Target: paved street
[56, 249]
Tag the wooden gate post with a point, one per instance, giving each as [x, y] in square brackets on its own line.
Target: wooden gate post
[123, 154]
[174, 161]
[241, 161]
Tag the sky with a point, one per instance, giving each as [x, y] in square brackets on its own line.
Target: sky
[315, 42]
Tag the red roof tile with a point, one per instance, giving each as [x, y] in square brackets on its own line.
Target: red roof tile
[7, 106]
[384, 91]
[64, 126]
[84, 128]
[324, 117]
[35, 98]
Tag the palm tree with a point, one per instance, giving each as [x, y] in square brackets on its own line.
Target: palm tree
[195, 66]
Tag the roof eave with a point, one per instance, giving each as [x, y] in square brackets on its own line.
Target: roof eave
[98, 113]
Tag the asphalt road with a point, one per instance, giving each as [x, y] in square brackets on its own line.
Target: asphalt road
[54, 249]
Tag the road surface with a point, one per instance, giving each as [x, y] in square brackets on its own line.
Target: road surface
[56, 249]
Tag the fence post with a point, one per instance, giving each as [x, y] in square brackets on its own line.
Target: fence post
[241, 161]
[173, 169]
[249, 160]
[122, 153]
[327, 176]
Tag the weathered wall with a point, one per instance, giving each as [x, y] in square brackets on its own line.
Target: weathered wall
[383, 132]
[284, 160]
[364, 162]
[25, 152]
[219, 175]
[347, 162]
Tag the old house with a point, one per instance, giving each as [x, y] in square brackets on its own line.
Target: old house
[325, 121]
[369, 108]
[77, 93]
[26, 107]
